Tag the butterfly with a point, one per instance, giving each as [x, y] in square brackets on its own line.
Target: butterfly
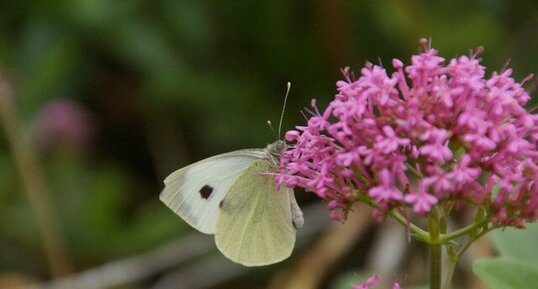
[234, 196]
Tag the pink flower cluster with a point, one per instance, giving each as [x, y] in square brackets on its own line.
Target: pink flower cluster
[372, 281]
[64, 124]
[432, 131]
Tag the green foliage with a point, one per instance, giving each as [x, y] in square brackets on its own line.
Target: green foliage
[518, 243]
[97, 204]
[517, 268]
[506, 273]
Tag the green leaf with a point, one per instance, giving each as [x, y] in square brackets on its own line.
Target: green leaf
[518, 243]
[505, 273]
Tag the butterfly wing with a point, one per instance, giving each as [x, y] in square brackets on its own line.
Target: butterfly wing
[254, 225]
[195, 191]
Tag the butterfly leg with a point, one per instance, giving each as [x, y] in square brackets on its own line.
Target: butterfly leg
[296, 213]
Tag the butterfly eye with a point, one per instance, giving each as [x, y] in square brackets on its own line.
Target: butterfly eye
[206, 191]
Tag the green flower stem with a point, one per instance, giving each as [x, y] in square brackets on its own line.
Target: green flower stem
[472, 239]
[435, 266]
[435, 249]
[454, 256]
[452, 261]
[414, 170]
[416, 230]
[436, 237]
[463, 231]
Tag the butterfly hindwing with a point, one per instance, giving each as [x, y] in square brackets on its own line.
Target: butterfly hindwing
[194, 192]
[254, 224]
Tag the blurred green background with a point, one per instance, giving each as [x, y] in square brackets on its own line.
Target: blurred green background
[112, 96]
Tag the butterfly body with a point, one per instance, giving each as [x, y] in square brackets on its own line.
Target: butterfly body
[234, 196]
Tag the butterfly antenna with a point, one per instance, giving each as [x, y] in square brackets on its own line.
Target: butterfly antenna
[270, 124]
[283, 109]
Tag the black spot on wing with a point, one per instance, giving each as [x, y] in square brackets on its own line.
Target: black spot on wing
[206, 191]
[221, 204]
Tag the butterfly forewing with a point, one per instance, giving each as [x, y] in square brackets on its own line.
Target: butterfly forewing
[194, 192]
[254, 226]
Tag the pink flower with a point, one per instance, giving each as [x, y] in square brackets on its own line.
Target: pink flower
[430, 132]
[64, 124]
[422, 201]
[388, 141]
[368, 283]
[373, 281]
[463, 174]
[437, 148]
[386, 191]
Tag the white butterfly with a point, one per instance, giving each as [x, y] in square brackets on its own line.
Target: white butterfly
[234, 196]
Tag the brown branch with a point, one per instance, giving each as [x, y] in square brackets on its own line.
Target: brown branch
[175, 253]
[135, 268]
[312, 268]
[34, 184]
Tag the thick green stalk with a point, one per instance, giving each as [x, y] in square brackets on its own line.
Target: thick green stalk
[435, 249]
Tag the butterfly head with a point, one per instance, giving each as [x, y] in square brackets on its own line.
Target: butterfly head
[273, 151]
